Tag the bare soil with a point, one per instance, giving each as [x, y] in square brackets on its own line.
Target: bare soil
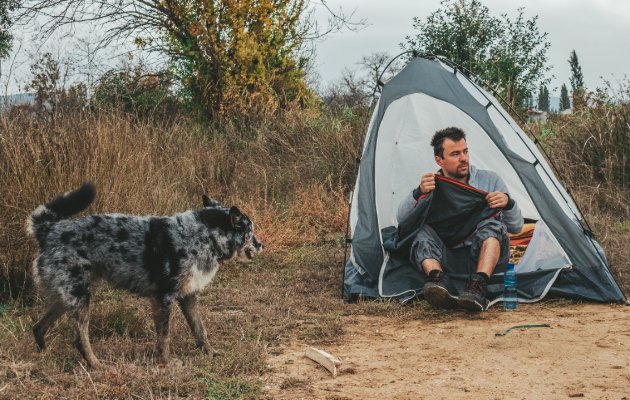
[585, 353]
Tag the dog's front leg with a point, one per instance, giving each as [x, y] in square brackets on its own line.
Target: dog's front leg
[161, 317]
[189, 304]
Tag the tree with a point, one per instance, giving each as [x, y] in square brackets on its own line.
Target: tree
[510, 55]
[229, 55]
[50, 80]
[577, 79]
[462, 31]
[543, 98]
[565, 103]
[6, 38]
[577, 82]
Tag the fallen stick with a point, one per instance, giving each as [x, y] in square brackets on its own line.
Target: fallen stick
[329, 362]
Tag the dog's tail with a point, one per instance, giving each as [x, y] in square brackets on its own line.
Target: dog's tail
[69, 203]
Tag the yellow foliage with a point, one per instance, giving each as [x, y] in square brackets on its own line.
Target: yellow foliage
[233, 55]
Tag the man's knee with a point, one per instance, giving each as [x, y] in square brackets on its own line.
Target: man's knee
[492, 230]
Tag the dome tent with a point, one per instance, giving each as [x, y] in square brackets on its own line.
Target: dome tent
[429, 95]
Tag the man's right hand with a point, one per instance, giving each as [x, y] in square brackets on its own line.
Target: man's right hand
[427, 183]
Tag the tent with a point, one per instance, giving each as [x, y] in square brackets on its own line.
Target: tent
[428, 95]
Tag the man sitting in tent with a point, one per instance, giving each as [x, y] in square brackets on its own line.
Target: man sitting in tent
[485, 251]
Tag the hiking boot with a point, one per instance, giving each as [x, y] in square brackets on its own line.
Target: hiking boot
[474, 298]
[439, 291]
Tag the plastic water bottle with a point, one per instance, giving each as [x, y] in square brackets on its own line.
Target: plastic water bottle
[509, 288]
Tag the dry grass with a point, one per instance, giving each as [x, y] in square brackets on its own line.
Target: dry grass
[288, 173]
[592, 150]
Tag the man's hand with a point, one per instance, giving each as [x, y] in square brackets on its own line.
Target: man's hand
[497, 199]
[427, 183]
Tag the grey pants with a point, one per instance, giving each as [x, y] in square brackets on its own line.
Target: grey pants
[462, 260]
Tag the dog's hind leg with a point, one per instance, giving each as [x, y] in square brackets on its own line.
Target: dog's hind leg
[41, 327]
[80, 316]
[189, 307]
[161, 317]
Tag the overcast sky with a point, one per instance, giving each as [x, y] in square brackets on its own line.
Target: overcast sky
[598, 30]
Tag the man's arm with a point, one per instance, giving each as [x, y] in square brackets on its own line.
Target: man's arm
[512, 217]
[427, 184]
[406, 206]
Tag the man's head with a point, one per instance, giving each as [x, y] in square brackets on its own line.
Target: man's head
[451, 152]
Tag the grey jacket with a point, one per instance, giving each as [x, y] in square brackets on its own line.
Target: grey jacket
[488, 181]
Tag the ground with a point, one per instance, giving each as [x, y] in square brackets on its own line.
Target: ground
[584, 353]
[261, 316]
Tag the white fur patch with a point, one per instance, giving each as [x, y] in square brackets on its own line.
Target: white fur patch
[30, 226]
[197, 280]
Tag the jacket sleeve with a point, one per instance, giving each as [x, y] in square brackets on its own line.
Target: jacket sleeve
[512, 218]
[409, 203]
[405, 207]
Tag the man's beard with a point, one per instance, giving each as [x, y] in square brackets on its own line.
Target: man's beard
[461, 175]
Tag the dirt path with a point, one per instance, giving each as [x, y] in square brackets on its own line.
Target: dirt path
[585, 353]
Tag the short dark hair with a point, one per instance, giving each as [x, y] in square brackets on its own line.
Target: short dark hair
[455, 134]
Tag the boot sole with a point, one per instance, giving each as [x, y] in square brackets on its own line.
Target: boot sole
[439, 297]
[470, 304]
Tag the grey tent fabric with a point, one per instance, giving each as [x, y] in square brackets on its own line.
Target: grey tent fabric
[379, 275]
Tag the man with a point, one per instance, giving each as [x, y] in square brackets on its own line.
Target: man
[486, 251]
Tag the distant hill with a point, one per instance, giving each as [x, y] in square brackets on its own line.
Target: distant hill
[17, 98]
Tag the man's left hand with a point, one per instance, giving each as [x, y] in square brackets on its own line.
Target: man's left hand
[497, 199]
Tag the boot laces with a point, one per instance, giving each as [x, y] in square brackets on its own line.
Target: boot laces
[439, 277]
[475, 286]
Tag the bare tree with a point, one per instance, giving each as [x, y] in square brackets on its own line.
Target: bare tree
[355, 86]
[375, 64]
[143, 21]
[88, 57]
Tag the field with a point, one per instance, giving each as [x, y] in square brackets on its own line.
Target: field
[291, 172]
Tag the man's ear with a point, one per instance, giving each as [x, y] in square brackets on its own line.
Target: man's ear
[439, 161]
[208, 202]
[235, 216]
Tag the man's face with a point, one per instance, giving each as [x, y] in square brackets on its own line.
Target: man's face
[455, 161]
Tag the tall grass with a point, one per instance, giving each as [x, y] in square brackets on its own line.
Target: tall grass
[288, 171]
[591, 148]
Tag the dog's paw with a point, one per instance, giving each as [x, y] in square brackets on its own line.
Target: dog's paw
[95, 365]
[209, 350]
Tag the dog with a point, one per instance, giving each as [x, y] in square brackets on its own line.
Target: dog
[164, 258]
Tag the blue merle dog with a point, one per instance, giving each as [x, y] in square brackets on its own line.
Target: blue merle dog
[164, 258]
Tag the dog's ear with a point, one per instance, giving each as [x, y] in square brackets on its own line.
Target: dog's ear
[208, 202]
[235, 216]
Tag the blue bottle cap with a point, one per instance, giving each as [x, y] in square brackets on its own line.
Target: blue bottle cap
[511, 266]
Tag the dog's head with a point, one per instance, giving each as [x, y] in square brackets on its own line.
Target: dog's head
[243, 229]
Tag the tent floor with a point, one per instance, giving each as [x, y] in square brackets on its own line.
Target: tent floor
[586, 353]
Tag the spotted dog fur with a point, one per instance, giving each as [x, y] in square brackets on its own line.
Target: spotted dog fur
[164, 258]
